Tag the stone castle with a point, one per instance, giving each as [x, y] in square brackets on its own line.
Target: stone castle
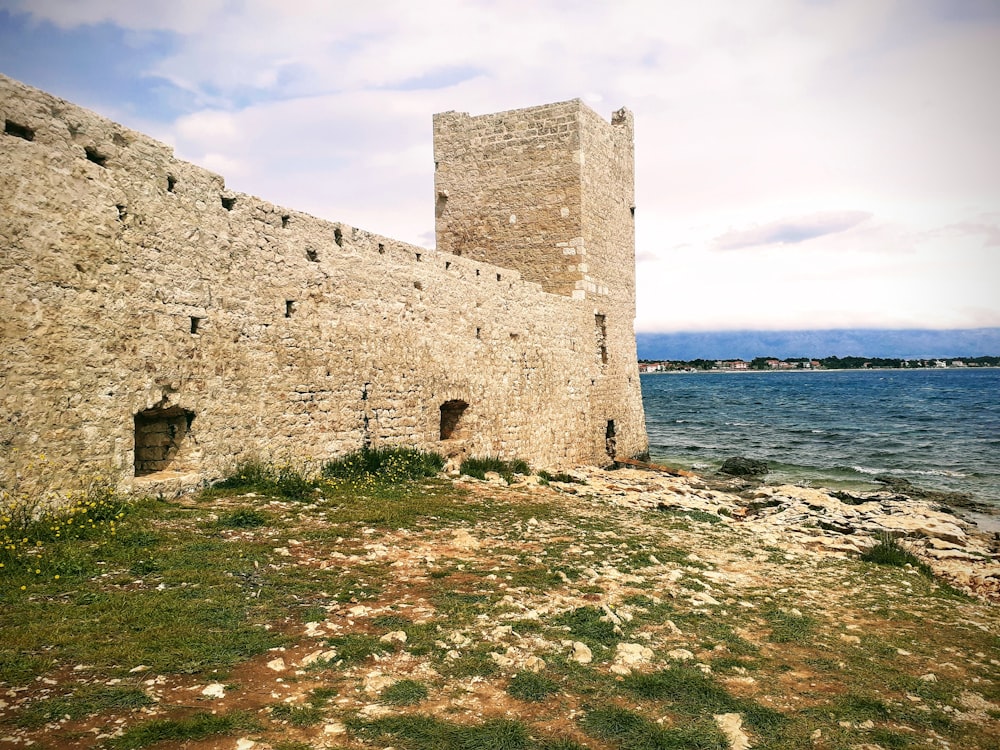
[157, 323]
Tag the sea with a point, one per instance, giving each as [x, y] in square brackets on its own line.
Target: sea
[938, 428]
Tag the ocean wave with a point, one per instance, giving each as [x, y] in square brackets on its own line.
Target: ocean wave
[909, 472]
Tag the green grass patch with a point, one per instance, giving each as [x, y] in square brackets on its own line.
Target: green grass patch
[418, 732]
[789, 627]
[82, 702]
[475, 662]
[528, 686]
[888, 551]
[404, 693]
[200, 726]
[586, 625]
[244, 518]
[356, 647]
[297, 716]
[478, 466]
[559, 477]
[384, 465]
[691, 692]
[689, 513]
[631, 731]
[283, 480]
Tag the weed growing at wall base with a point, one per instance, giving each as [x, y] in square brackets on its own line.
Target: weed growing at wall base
[386, 465]
[478, 467]
[36, 521]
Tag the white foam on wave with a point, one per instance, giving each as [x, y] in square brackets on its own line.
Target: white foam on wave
[908, 472]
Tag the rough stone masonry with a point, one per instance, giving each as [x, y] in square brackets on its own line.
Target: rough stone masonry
[157, 324]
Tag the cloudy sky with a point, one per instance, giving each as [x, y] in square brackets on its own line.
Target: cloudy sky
[801, 164]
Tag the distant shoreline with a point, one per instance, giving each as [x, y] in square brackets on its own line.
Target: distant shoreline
[818, 369]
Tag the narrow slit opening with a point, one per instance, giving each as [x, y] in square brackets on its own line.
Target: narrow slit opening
[171, 183]
[20, 131]
[289, 307]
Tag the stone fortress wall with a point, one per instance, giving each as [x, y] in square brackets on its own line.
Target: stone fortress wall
[154, 322]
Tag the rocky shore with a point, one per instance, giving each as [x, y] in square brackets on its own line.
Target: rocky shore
[823, 521]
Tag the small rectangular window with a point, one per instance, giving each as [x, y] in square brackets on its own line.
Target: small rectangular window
[289, 307]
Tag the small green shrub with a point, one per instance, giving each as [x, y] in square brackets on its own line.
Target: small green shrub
[889, 552]
[477, 467]
[404, 693]
[528, 686]
[384, 465]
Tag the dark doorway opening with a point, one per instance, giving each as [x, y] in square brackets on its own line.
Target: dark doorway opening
[159, 438]
[609, 438]
[451, 418]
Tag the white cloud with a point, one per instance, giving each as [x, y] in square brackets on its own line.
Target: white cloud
[791, 231]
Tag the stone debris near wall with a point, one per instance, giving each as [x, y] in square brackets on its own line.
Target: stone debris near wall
[158, 323]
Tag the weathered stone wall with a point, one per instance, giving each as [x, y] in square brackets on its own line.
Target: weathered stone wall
[152, 319]
[549, 190]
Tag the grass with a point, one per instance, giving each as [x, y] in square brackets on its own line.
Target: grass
[176, 590]
[888, 551]
[419, 732]
[528, 686]
[84, 701]
[244, 518]
[297, 716]
[589, 625]
[404, 693]
[546, 476]
[388, 465]
[789, 626]
[265, 478]
[354, 648]
[478, 467]
[692, 693]
[631, 731]
[200, 726]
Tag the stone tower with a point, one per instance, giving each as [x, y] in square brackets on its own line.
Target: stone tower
[549, 192]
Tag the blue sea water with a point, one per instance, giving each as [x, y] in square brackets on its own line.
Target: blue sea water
[940, 428]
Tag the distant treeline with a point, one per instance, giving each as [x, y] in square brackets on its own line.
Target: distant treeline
[826, 363]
